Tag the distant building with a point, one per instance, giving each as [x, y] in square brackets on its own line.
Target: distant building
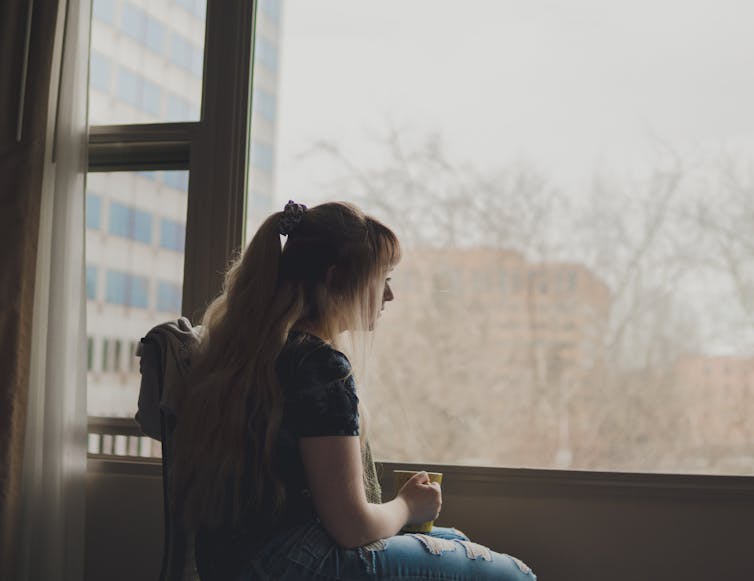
[528, 310]
[493, 347]
[146, 67]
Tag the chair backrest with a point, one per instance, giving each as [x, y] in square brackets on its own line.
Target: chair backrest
[163, 353]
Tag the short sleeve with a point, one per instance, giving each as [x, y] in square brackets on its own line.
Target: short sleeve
[324, 402]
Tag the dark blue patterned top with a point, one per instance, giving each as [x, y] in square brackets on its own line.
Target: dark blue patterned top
[319, 391]
[319, 399]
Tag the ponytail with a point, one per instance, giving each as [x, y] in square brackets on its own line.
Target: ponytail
[234, 399]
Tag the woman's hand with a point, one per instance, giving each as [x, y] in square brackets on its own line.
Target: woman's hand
[423, 498]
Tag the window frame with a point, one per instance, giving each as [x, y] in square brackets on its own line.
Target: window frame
[216, 152]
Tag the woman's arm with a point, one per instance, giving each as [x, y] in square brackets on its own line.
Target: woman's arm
[334, 471]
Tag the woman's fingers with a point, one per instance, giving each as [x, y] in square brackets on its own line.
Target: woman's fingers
[421, 477]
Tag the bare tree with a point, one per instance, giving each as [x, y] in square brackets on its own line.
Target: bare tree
[477, 374]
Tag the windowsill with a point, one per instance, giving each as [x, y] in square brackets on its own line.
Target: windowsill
[489, 481]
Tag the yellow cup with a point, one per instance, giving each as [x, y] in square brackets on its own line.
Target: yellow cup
[403, 476]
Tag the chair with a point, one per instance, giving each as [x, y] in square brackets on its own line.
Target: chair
[164, 361]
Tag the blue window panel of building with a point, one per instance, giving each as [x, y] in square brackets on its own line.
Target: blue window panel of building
[93, 211]
[180, 51]
[104, 10]
[91, 282]
[136, 91]
[172, 235]
[99, 72]
[142, 226]
[267, 54]
[129, 87]
[168, 297]
[264, 103]
[139, 288]
[133, 21]
[130, 223]
[262, 156]
[120, 219]
[152, 98]
[127, 289]
[178, 180]
[271, 9]
[155, 38]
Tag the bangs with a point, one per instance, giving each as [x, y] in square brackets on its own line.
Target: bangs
[387, 249]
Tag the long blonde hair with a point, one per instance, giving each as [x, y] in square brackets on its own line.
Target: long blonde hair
[329, 272]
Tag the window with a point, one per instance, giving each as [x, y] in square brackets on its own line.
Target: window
[105, 356]
[138, 92]
[117, 355]
[133, 21]
[145, 185]
[155, 36]
[178, 108]
[172, 235]
[127, 289]
[168, 297]
[533, 74]
[93, 211]
[178, 180]
[127, 86]
[139, 208]
[151, 99]
[180, 51]
[147, 175]
[141, 27]
[267, 54]
[89, 353]
[99, 72]
[574, 178]
[130, 223]
[91, 282]
[185, 55]
[132, 358]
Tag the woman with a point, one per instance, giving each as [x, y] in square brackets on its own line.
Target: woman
[272, 470]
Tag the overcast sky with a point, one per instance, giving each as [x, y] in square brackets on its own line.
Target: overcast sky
[570, 85]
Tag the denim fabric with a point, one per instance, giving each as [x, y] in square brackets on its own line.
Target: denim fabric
[308, 553]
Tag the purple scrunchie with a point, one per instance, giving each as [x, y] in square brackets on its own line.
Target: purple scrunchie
[291, 218]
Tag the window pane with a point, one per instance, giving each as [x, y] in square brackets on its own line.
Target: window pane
[575, 211]
[172, 235]
[93, 210]
[264, 114]
[146, 61]
[134, 276]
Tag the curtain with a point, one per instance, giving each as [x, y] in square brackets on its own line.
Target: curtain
[43, 82]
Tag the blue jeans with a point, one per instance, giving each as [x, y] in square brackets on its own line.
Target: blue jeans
[308, 553]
